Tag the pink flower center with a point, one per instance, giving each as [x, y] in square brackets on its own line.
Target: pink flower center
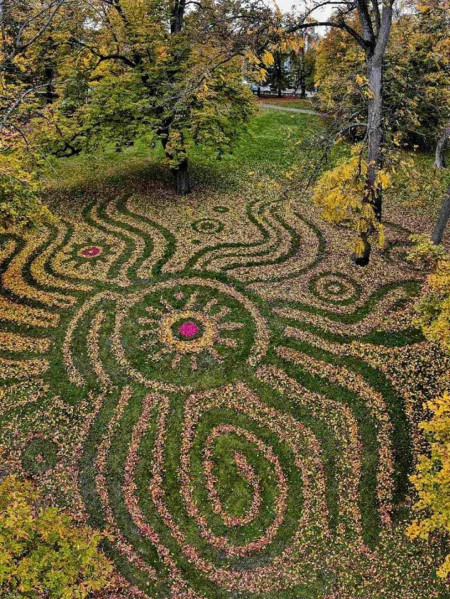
[90, 252]
[188, 329]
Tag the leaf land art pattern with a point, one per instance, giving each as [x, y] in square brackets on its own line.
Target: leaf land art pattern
[215, 388]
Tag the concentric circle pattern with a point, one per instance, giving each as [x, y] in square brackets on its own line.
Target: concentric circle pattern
[192, 326]
[335, 288]
[218, 406]
[208, 226]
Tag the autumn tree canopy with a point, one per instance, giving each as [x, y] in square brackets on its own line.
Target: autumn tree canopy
[383, 75]
[29, 32]
[79, 76]
[173, 69]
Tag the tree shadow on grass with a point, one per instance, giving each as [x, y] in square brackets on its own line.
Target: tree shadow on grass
[138, 177]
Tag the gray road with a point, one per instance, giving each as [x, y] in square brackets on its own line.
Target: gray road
[288, 109]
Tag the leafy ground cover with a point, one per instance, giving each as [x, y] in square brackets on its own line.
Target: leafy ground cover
[213, 382]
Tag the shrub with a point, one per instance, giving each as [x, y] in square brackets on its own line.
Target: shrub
[42, 553]
[432, 480]
[433, 308]
[19, 200]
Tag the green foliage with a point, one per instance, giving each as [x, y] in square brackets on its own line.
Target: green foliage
[19, 200]
[217, 129]
[425, 252]
[184, 89]
[292, 63]
[42, 554]
[339, 69]
[278, 73]
[33, 51]
[416, 75]
[414, 180]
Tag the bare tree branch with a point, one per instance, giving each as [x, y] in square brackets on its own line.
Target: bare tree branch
[103, 57]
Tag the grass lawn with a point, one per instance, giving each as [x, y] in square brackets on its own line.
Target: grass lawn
[265, 149]
[213, 382]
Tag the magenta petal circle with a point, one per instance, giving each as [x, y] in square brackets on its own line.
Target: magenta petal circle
[188, 329]
[91, 252]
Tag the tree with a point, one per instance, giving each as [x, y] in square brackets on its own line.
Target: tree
[157, 66]
[42, 553]
[372, 34]
[303, 64]
[433, 308]
[339, 71]
[24, 84]
[370, 82]
[416, 86]
[432, 480]
[292, 63]
[278, 75]
[444, 213]
[441, 146]
[417, 80]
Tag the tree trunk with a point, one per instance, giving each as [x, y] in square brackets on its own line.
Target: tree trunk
[181, 178]
[444, 214]
[373, 191]
[177, 16]
[302, 74]
[442, 220]
[441, 147]
[181, 172]
[50, 87]
[375, 135]
[363, 259]
[302, 88]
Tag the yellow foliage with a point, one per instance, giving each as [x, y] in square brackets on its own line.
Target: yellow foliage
[433, 308]
[251, 57]
[267, 58]
[42, 553]
[360, 80]
[384, 178]
[340, 194]
[262, 75]
[19, 201]
[161, 52]
[432, 480]
[438, 326]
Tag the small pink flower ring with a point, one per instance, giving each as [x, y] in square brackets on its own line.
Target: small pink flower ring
[188, 329]
[90, 252]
